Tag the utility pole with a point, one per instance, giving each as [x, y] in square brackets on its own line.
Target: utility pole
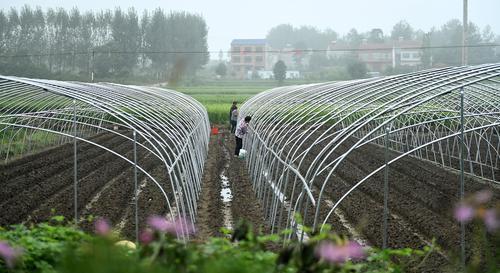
[464, 33]
[93, 61]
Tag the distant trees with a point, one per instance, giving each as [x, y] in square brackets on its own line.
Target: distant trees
[304, 36]
[221, 70]
[356, 69]
[449, 36]
[118, 44]
[345, 57]
[376, 36]
[281, 35]
[402, 30]
[279, 71]
[353, 38]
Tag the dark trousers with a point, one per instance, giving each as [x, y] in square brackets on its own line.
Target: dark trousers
[239, 145]
[233, 126]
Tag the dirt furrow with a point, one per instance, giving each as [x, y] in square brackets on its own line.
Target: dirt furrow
[33, 176]
[96, 169]
[210, 216]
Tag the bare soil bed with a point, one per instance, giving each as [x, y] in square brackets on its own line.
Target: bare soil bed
[36, 187]
[39, 186]
[422, 195]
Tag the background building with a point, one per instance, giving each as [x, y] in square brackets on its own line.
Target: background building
[379, 57]
[248, 55]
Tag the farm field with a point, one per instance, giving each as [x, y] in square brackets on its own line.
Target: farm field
[40, 186]
[218, 96]
[106, 188]
[422, 196]
[315, 155]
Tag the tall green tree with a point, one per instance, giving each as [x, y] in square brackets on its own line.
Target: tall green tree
[3, 31]
[156, 41]
[279, 71]
[357, 69]
[188, 39]
[376, 35]
[402, 30]
[221, 70]
[353, 38]
[281, 35]
[302, 37]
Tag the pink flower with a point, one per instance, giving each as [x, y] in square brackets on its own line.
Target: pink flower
[102, 227]
[340, 253]
[184, 226]
[9, 254]
[491, 220]
[483, 196]
[146, 237]
[159, 223]
[464, 213]
[179, 226]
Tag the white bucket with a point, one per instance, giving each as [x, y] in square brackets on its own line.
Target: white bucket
[243, 154]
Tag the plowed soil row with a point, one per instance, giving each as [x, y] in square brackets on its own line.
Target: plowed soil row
[39, 186]
[421, 199]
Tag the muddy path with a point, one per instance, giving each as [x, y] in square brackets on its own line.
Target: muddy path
[227, 195]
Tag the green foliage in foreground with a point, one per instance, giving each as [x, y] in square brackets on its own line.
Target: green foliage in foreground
[59, 248]
[42, 245]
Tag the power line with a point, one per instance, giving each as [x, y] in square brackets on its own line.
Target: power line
[294, 51]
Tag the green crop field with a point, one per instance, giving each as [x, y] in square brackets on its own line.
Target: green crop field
[218, 96]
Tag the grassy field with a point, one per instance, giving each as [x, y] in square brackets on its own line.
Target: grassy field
[16, 142]
[218, 96]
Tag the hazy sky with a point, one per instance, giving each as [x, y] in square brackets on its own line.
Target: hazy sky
[228, 20]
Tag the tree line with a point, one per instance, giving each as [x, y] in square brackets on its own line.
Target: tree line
[441, 44]
[114, 44]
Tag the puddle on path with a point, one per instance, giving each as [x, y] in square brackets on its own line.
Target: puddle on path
[225, 193]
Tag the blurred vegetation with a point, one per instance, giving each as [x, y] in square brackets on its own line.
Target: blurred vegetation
[56, 247]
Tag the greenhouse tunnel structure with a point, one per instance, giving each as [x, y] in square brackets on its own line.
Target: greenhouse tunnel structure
[311, 147]
[149, 124]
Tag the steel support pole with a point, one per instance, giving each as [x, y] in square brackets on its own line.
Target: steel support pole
[136, 190]
[75, 166]
[461, 191]
[386, 188]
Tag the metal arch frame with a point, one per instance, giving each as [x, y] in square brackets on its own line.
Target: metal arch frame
[172, 127]
[325, 116]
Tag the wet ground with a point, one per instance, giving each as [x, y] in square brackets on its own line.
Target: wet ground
[227, 195]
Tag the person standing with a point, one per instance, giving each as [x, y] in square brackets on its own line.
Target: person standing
[234, 119]
[241, 131]
[233, 106]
